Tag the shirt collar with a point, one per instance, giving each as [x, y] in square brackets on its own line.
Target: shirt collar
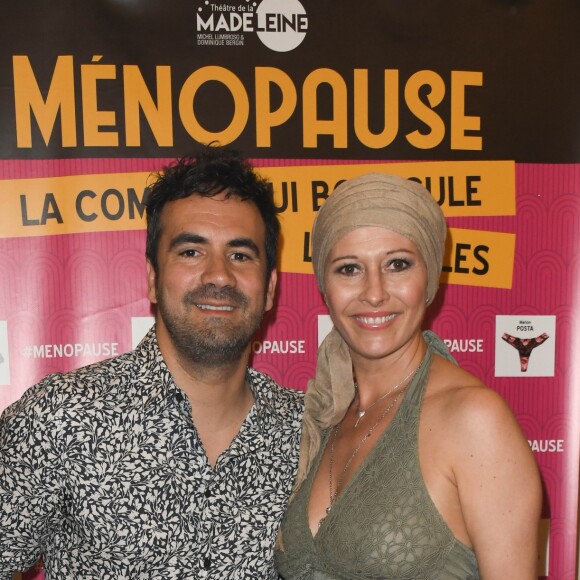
[158, 381]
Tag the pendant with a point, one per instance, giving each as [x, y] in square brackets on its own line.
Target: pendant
[361, 414]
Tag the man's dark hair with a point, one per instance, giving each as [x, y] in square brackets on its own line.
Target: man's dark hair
[207, 173]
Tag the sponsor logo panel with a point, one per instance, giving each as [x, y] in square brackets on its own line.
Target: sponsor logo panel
[281, 25]
[525, 346]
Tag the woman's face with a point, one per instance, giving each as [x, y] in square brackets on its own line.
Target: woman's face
[376, 286]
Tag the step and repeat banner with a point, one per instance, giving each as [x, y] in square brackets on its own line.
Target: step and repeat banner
[478, 101]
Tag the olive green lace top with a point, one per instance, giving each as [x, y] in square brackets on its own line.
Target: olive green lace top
[384, 523]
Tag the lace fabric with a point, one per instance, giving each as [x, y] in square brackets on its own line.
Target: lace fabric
[384, 524]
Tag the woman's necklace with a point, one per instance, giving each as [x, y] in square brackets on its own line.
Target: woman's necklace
[362, 412]
[332, 490]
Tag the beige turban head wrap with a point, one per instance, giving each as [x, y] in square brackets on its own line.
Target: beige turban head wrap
[378, 200]
[384, 201]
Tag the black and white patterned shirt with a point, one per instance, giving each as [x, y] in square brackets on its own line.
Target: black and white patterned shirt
[102, 473]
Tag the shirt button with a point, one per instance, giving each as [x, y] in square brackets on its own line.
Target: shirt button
[179, 396]
[207, 493]
[206, 562]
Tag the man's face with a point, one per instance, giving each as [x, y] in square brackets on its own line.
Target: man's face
[210, 289]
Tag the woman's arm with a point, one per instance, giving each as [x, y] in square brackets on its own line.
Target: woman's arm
[499, 487]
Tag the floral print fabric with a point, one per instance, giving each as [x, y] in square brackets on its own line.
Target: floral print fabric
[103, 474]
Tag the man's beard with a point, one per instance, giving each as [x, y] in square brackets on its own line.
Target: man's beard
[216, 342]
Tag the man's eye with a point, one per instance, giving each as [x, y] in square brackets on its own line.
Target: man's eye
[240, 257]
[189, 253]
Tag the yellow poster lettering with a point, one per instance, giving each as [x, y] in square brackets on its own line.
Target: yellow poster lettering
[461, 123]
[470, 188]
[93, 117]
[241, 105]
[287, 197]
[462, 189]
[159, 115]
[313, 126]
[334, 106]
[390, 109]
[266, 117]
[425, 112]
[91, 203]
[479, 258]
[40, 215]
[60, 99]
[73, 204]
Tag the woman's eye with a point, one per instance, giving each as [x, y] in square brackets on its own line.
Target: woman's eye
[399, 264]
[348, 269]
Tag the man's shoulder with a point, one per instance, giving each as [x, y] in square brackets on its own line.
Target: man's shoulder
[61, 390]
[96, 373]
[282, 399]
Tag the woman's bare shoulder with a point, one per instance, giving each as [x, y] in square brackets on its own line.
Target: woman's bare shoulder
[486, 455]
[463, 401]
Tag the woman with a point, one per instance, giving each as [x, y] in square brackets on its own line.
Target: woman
[410, 466]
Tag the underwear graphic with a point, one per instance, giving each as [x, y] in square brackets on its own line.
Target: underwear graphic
[525, 346]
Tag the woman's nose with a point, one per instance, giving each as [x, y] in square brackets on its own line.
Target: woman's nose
[374, 290]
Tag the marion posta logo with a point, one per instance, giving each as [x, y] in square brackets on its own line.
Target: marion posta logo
[281, 25]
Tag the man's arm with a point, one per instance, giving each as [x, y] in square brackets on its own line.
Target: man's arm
[29, 480]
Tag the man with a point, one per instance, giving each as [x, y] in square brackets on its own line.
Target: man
[174, 460]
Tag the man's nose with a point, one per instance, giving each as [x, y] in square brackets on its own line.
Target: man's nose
[218, 271]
